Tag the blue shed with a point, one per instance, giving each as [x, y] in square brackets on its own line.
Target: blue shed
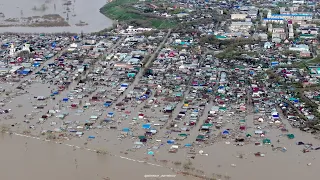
[125, 129]
[225, 132]
[107, 104]
[110, 114]
[146, 126]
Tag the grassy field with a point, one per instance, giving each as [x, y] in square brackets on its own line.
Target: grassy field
[315, 60]
[123, 11]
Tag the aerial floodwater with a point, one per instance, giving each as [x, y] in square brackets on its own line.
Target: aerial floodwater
[52, 16]
[175, 91]
[31, 159]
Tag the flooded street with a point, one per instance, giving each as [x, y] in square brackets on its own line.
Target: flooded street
[91, 107]
[81, 15]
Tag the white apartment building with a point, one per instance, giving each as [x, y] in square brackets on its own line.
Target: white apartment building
[238, 16]
[295, 16]
[240, 26]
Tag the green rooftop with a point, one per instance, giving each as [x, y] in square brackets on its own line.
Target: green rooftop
[221, 37]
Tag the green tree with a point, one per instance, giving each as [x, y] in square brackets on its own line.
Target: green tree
[210, 39]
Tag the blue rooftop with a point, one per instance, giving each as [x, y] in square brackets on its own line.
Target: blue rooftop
[291, 15]
[275, 19]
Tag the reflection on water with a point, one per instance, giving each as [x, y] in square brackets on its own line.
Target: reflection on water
[81, 15]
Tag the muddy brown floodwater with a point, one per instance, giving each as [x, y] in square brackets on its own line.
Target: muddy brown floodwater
[75, 12]
[25, 158]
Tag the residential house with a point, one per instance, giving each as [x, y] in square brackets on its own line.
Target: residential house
[132, 30]
[263, 36]
[276, 40]
[307, 25]
[279, 35]
[314, 71]
[278, 30]
[307, 30]
[305, 54]
[308, 36]
[252, 13]
[267, 45]
[299, 47]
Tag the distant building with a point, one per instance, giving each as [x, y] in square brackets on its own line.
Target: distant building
[240, 26]
[267, 45]
[305, 54]
[308, 25]
[300, 48]
[295, 16]
[252, 13]
[270, 27]
[291, 33]
[309, 31]
[308, 36]
[132, 30]
[274, 20]
[152, 6]
[298, 1]
[12, 50]
[263, 36]
[181, 15]
[238, 16]
[282, 10]
[278, 30]
[276, 40]
[220, 37]
[281, 35]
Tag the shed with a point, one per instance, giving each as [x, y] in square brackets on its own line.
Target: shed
[225, 132]
[266, 141]
[146, 126]
[200, 138]
[290, 136]
[93, 117]
[110, 114]
[107, 104]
